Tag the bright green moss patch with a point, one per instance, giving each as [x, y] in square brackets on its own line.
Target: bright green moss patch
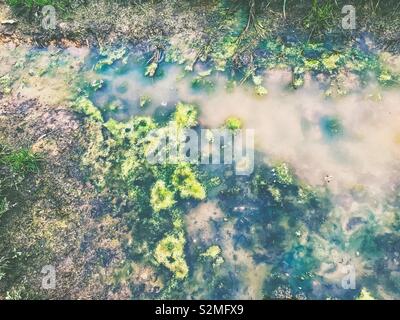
[283, 174]
[185, 181]
[161, 197]
[170, 253]
[212, 252]
[185, 115]
[365, 295]
[330, 61]
[87, 107]
[108, 57]
[233, 123]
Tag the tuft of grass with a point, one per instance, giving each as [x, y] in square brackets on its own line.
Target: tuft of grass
[320, 17]
[21, 161]
[30, 6]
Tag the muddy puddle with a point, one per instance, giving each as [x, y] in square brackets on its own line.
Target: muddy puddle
[345, 146]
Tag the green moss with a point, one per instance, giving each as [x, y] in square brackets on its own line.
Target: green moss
[114, 106]
[312, 64]
[185, 181]
[170, 253]
[201, 83]
[5, 84]
[276, 194]
[298, 77]
[116, 128]
[212, 252]
[283, 174]
[87, 107]
[260, 91]
[365, 295]
[330, 61]
[185, 115]
[233, 123]
[161, 197]
[108, 57]
[130, 164]
[224, 50]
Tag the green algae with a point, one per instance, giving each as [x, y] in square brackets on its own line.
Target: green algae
[185, 115]
[108, 56]
[5, 84]
[161, 197]
[185, 181]
[170, 253]
[233, 124]
[87, 107]
[365, 295]
[283, 174]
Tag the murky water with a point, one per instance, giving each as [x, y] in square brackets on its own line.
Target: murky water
[347, 147]
[290, 126]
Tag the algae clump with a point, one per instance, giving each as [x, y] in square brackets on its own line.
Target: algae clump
[185, 181]
[283, 174]
[109, 56]
[170, 253]
[161, 197]
[87, 107]
[185, 115]
[365, 295]
[212, 252]
[233, 124]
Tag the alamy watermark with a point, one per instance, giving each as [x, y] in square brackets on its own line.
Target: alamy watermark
[206, 146]
[349, 20]
[49, 278]
[49, 19]
[349, 280]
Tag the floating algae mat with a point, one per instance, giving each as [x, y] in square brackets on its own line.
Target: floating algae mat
[316, 217]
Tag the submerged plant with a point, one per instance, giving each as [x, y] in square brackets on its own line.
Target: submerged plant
[108, 57]
[185, 181]
[365, 295]
[185, 115]
[233, 124]
[87, 107]
[332, 127]
[161, 197]
[170, 253]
